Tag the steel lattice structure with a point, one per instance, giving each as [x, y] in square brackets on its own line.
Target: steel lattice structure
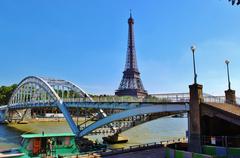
[131, 83]
[37, 92]
[45, 90]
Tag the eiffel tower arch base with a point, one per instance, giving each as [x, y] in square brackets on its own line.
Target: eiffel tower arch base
[130, 92]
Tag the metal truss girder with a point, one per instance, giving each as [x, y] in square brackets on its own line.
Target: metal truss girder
[147, 118]
[133, 112]
[63, 83]
[37, 81]
[44, 89]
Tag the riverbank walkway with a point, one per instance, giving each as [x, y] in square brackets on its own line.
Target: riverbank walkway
[147, 153]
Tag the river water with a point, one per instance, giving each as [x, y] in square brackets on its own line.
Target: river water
[155, 131]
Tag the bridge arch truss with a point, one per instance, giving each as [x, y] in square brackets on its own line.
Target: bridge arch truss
[35, 91]
[46, 92]
[143, 111]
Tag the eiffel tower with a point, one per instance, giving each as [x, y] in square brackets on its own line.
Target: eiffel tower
[131, 84]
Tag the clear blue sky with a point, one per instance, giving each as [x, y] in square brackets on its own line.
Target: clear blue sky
[85, 42]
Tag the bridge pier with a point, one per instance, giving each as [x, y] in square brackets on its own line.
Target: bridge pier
[2, 117]
[196, 97]
[230, 96]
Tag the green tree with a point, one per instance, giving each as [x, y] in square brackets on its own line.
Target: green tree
[237, 2]
[5, 93]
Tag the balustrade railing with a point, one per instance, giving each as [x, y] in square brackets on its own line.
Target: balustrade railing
[214, 99]
[173, 97]
[141, 147]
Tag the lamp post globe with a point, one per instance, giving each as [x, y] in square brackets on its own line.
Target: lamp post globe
[227, 62]
[193, 48]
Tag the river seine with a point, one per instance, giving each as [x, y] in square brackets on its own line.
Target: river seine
[155, 131]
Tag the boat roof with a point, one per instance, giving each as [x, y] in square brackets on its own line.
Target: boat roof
[40, 135]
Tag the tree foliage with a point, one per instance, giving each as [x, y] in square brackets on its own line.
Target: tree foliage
[5, 93]
[237, 2]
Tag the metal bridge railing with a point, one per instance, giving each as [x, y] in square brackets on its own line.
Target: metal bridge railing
[214, 99]
[155, 98]
[185, 97]
[181, 97]
[141, 147]
[120, 100]
[75, 100]
[221, 99]
[173, 97]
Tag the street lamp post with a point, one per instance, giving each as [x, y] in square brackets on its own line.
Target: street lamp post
[193, 48]
[196, 97]
[229, 83]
